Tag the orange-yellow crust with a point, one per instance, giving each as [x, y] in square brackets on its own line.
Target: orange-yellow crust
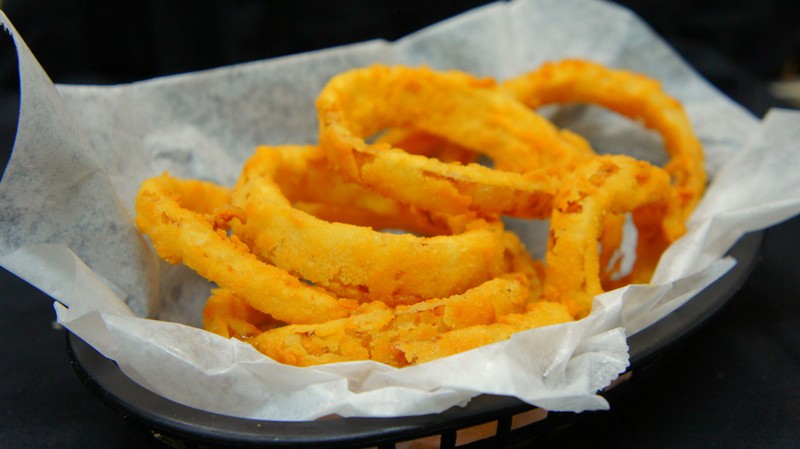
[631, 94]
[468, 111]
[379, 332]
[183, 235]
[357, 261]
[601, 186]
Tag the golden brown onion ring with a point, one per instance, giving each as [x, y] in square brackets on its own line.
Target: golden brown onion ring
[357, 261]
[601, 186]
[305, 179]
[465, 110]
[378, 332]
[184, 235]
[537, 314]
[631, 94]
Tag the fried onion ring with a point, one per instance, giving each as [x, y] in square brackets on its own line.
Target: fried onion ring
[180, 234]
[465, 110]
[305, 179]
[640, 98]
[631, 94]
[538, 314]
[378, 332]
[356, 261]
[610, 184]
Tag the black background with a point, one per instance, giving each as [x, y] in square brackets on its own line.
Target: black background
[735, 383]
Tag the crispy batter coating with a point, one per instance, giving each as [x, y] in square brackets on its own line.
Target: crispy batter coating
[537, 314]
[427, 144]
[379, 332]
[308, 183]
[228, 315]
[356, 260]
[184, 235]
[465, 110]
[632, 95]
[640, 98]
[610, 184]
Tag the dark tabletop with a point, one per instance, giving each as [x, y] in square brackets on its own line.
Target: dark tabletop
[733, 383]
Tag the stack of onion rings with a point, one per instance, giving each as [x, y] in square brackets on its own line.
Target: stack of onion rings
[386, 242]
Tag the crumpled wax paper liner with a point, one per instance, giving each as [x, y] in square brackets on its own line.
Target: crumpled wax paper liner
[81, 152]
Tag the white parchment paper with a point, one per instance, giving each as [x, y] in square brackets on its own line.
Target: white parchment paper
[66, 201]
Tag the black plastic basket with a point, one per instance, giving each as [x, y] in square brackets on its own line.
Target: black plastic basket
[487, 421]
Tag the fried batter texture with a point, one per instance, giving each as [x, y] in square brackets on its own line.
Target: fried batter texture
[386, 242]
[180, 234]
[394, 268]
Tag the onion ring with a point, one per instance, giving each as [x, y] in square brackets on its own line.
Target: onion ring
[610, 184]
[183, 235]
[465, 110]
[305, 179]
[378, 332]
[640, 98]
[538, 314]
[630, 94]
[356, 261]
